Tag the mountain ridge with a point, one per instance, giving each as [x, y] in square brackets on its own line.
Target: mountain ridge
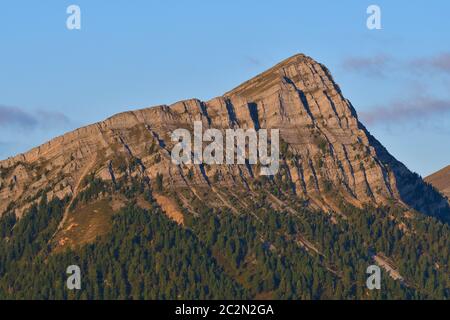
[108, 197]
[441, 180]
[320, 127]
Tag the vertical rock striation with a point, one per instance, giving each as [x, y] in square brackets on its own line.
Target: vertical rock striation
[329, 157]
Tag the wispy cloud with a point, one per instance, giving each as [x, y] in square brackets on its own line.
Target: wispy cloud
[436, 63]
[380, 64]
[22, 129]
[370, 66]
[14, 116]
[252, 61]
[415, 108]
[20, 118]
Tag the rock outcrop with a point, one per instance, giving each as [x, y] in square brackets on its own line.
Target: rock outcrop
[329, 155]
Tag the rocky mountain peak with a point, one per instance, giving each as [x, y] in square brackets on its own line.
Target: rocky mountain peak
[328, 158]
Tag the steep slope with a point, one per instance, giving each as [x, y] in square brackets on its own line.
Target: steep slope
[339, 203]
[330, 157]
[441, 181]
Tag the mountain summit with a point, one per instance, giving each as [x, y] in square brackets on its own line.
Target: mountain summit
[330, 157]
[338, 204]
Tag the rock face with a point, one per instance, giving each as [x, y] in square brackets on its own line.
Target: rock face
[441, 181]
[329, 155]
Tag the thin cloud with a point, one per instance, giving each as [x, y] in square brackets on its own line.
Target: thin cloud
[14, 116]
[439, 62]
[416, 108]
[252, 61]
[18, 117]
[381, 64]
[371, 66]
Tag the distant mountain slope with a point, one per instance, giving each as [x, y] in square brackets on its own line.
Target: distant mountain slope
[441, 181]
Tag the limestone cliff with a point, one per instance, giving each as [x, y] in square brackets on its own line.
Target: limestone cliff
[329, 157]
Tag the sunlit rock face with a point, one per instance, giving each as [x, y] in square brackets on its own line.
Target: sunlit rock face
[328, 157]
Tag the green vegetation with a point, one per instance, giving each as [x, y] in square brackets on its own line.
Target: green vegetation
[262, 252]
[146, 256]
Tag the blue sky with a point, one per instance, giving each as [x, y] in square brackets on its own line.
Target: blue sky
[135, 54]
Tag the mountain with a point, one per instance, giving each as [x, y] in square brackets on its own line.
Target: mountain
[299, 96]
[338, 203]
[441, 181]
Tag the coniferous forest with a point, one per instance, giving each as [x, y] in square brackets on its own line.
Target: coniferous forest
[222, 158]
[258, 253]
